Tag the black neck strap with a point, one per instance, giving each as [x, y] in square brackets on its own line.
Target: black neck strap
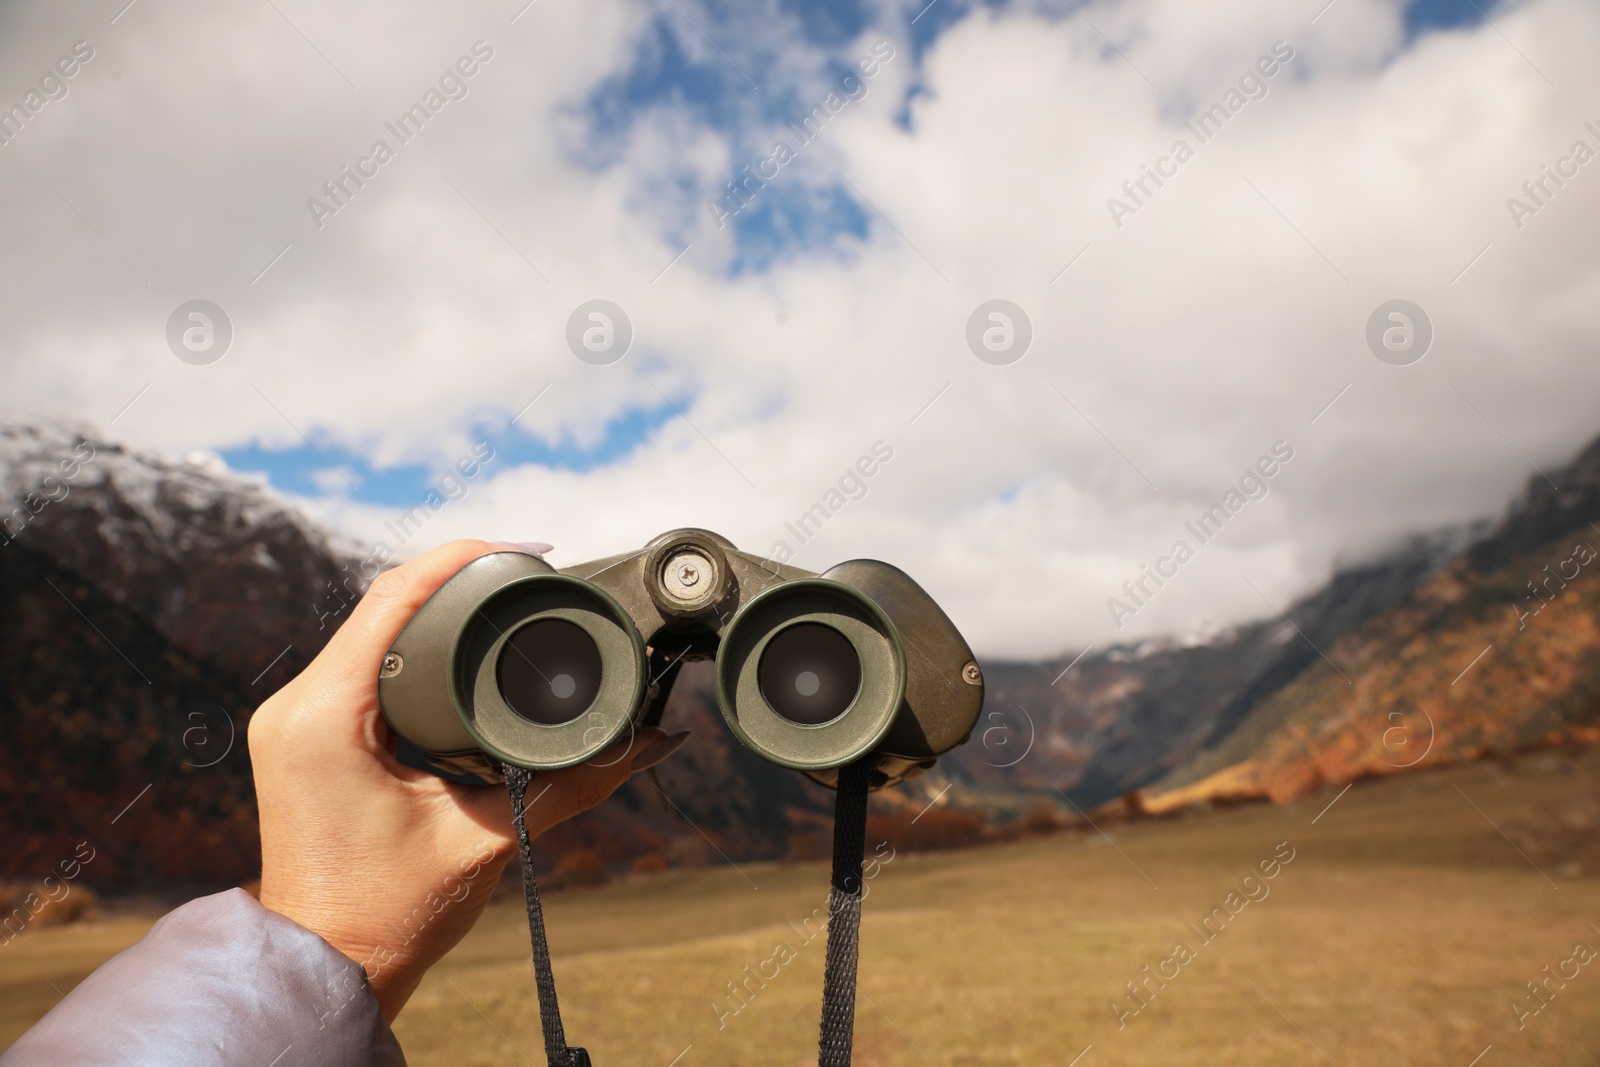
[556, 1050]
[844, 917]
[844, 923]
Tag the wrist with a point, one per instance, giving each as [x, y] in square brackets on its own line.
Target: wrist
[387, 975]
[394, 940]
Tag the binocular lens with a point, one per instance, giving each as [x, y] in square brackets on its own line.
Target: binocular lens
[549, 672]
[809, 673]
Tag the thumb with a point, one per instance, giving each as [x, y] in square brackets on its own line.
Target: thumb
[554, 796]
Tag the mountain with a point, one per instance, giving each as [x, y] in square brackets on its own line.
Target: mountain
[180, 545]
[127, 670]
[1261, 712]
[1126, 717]
[95, 714]
[1499, 649]
[148, 606]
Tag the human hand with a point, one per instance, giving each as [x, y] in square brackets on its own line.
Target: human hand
[389, 864]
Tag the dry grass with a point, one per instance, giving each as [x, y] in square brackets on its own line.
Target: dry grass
[40, 962]
[1400, 933]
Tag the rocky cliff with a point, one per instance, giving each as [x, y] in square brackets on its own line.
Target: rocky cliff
[1496, 650]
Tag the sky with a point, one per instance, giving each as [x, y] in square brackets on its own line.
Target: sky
[1173, 322]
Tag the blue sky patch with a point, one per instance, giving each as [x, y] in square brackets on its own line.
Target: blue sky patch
[673, 69]
[1424, 15]
[623, 434]
[662, 75]
[331, 468]
[784, 221]
[727, 81]
[829, 23]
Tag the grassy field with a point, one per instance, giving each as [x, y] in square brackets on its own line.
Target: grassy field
[1402, 931]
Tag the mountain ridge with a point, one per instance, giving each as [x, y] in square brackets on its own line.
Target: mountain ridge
[1472, 661]
[128, 671]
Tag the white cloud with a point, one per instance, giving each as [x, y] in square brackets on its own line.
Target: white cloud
[1220, 318]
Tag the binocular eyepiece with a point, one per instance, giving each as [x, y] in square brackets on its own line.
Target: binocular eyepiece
[512, 661]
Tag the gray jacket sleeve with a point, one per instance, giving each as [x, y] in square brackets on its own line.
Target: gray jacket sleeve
[219, 981]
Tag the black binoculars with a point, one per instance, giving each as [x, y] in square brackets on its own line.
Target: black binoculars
[514, 662]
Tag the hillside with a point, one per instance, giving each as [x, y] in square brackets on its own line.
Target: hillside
[127, 670]
[1497, 650]
[1124, 717]
[147, 606]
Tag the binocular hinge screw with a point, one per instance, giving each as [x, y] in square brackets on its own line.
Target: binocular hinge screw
[971, 674]
[392, 665]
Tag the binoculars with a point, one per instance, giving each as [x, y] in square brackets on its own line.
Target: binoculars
[512, 661]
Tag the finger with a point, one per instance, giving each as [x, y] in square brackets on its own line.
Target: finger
[392, 599]
[532, 548]
[555, 796]
[577, 789]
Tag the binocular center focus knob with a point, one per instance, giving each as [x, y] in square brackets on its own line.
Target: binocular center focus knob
[687, 574]
[684, 573]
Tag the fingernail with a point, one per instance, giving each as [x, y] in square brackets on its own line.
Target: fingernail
[658, 752]
[532, 548]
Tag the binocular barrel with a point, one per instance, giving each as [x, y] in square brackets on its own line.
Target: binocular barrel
[512, 661]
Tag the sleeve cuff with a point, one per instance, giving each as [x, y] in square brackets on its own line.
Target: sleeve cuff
[219, 980]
